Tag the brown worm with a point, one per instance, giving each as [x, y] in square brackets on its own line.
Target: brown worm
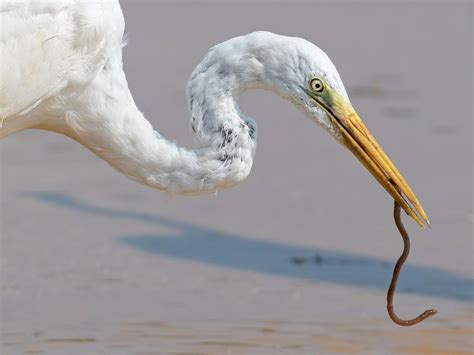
[396, 273]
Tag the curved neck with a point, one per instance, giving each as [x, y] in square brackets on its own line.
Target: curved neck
[110, 125]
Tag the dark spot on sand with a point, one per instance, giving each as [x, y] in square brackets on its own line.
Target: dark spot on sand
[298, 260]
[70, 340]
[318, 259]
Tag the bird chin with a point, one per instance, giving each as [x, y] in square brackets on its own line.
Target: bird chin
[321, 117]
[335, 132]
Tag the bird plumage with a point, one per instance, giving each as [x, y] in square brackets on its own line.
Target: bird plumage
[62, 71]
[47, 46]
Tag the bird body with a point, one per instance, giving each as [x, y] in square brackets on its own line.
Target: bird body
[71, 82]
[49, 46]
[62, 71]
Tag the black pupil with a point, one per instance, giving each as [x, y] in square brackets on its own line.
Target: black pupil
[317, 85]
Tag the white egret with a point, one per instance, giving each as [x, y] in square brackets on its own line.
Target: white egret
[61, 70]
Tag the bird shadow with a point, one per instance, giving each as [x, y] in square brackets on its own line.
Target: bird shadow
[228, 250]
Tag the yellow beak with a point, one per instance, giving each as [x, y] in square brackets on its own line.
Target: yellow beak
[358, 139]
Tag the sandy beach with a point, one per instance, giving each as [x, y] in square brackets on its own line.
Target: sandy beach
[297, 259]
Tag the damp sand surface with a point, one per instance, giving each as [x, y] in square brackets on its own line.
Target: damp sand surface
[251, 337]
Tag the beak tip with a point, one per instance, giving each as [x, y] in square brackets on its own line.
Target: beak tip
[424, 223]
[424, 218]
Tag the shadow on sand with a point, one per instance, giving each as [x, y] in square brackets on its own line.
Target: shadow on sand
[206, 245]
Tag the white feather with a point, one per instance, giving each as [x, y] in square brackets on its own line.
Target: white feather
[62, 71]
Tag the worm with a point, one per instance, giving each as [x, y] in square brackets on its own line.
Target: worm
[396, 273]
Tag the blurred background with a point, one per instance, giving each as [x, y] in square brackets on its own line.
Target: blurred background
[295, 260]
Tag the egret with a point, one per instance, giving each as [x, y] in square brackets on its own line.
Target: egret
[62, 71]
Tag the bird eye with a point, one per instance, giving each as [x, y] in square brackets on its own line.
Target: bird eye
[316, 85]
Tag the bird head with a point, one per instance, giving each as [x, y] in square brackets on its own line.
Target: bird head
[346, 125]
[311, 81]
[301, 72]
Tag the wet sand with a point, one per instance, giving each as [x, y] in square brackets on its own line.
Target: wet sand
[255, 337]
[297, 259]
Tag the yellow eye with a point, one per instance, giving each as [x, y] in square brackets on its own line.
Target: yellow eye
[316, 85]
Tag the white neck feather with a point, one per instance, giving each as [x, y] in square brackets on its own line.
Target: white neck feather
[110, 125]
[102, 115]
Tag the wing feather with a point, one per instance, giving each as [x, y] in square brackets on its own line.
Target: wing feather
[46, 46]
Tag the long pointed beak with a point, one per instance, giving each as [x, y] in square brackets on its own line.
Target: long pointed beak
[358, 139]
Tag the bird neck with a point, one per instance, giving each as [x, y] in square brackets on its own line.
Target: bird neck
[110, 125]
